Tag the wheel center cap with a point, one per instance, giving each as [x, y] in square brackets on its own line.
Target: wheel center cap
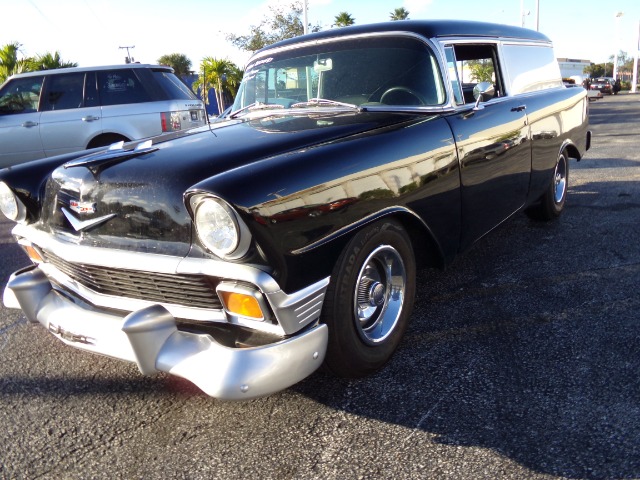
[376, 294]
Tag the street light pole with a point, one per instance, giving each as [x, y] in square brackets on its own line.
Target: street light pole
[634, 81]
[305, 28]
[615, 53]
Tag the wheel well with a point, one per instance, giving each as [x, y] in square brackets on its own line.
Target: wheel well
[106, 139]
[572, 151]
[426, 249]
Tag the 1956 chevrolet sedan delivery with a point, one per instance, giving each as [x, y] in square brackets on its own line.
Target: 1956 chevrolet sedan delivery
[245, 254]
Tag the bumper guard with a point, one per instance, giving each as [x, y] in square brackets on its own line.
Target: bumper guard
[150, 338]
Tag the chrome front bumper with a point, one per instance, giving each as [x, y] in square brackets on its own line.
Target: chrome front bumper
[149, 337]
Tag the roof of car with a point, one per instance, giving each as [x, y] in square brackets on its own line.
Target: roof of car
[90, 69]
[427, 29]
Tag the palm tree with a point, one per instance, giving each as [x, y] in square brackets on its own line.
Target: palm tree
[9, 62]
[234, 78]
[399, 14]
[178, 61]
[222, 74]
[344, 19]
[50, 61]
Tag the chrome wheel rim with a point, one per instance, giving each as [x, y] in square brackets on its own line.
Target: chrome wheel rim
[379, 294]
[560, 179]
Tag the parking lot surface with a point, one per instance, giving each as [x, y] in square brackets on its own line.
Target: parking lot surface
[521, 362]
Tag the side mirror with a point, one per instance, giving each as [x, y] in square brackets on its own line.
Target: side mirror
[483, 91]
[323, 65]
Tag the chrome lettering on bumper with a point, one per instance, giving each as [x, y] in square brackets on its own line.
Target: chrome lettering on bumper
[69, 336]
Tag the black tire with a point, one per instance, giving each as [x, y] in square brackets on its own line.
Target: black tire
[369, 299]
[551, 203]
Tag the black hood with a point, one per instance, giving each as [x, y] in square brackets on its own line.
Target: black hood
[136, 198]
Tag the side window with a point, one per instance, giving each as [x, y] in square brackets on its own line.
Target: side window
[453, 75]
[64, 92]
[475, 63]
[117, 87]
[91, 91]
[21, 95]
[531, 68]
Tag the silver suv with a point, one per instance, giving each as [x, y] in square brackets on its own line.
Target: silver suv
[59, 111]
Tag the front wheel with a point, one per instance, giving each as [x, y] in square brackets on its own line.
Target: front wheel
[551, 203]
[369, 299]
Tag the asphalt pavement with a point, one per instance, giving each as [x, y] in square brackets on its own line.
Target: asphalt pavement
[521, 362]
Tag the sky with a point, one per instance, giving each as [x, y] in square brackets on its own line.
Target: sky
[92, 32]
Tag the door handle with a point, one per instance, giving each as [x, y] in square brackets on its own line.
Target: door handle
[30, 124]
[90, 118]
[519, 108]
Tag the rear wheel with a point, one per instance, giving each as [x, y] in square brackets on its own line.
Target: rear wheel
[551, 203]
[369, 300]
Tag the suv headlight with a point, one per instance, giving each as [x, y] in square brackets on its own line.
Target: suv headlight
[219, 227]
[10, 205]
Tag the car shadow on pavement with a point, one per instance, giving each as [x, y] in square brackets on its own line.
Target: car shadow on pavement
[527, 346]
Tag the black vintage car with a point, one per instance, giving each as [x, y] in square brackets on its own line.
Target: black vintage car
[245, 254]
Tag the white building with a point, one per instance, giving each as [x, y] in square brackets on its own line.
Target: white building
[571, 67]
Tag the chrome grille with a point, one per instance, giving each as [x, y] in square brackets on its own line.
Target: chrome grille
[187, 290]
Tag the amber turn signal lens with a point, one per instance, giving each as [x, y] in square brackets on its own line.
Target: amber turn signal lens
[33, 254]
[241, 304]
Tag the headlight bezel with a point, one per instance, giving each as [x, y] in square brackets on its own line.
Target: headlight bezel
[202, 220]
[7, 195]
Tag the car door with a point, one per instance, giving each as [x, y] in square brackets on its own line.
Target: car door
[71, 116]
[20, 120]
[492, 140]
[495, 165]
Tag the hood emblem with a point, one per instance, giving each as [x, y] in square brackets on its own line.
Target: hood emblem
[82, 225]
[82, 207]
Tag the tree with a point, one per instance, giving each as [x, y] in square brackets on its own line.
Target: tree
[178, 61]
[343, 19]
[399, 14]
[49, 61]
[481, 70]
[9, 62]
[596, 70]
[285, 22]
[222, 74]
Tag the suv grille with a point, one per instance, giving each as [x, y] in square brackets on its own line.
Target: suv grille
[187, 290]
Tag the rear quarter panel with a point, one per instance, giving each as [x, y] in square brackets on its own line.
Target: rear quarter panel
[557, 118]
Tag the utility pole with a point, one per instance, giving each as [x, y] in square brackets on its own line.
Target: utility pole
[305, 19]
[634, 80]
[128, 58]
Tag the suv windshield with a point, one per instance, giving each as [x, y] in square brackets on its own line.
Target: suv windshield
[358, 72]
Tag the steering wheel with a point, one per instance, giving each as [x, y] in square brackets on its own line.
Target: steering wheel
[405, 93]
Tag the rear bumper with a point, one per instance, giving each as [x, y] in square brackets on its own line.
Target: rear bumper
[150, 338]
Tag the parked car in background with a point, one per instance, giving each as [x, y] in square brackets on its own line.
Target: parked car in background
[51, 112]
[603, 85]
[593, 95]
[244, 254]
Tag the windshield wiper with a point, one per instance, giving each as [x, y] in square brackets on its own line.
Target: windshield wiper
[255, 106]
[323, 102]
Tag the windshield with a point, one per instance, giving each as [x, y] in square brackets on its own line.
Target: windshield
[397, 71]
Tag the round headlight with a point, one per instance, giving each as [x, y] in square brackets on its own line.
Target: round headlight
[10, 206]
[219, 228]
